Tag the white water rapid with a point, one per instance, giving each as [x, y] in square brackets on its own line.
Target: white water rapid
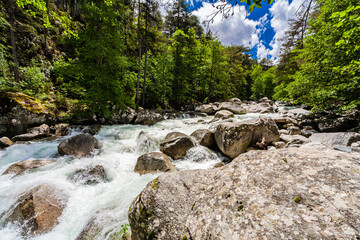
[109, 201]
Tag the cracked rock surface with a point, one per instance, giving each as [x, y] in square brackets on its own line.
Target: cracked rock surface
[311, 192]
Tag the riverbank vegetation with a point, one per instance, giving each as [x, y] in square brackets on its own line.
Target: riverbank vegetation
[101, 55]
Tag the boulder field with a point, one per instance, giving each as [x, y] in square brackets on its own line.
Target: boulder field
[310, 192]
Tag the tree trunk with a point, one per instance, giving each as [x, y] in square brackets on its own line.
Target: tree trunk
[139, 70]
[13, 39]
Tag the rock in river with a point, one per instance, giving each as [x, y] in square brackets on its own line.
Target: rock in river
[204, 137]
[233, 138]
[153, 162]
[176, 144]
[80, 145]
[22, 166]
[311, 192]
[38, 210]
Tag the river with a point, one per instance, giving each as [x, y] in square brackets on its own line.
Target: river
[107, 201]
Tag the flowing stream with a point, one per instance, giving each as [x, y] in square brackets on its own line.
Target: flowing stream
[107, 201]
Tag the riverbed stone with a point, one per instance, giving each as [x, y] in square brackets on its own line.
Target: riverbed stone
[204, 137]
[223, 114]
[233, 138]
[232, 107]
[89, 175]
[33, 133]
[263, 107]
[37, 211]
[22, 166]
[294, 130]
[148, 117]
[153, 162]
[176, 145]
[207, 108]
[61, 129]
[287, 138]
[337, 138]
[80, 145]
[5, 142]
[311, 192]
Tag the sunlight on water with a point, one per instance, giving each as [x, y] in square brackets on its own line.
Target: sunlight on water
[109, 201]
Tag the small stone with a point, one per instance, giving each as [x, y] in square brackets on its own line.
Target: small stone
[5, 142]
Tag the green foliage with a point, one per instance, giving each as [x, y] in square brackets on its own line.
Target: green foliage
[33, 82]
[329, 78]
[263, 82]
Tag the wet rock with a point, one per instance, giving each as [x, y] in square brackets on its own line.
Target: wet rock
[280, 194]
[147, 117]
[145, 143]
[176, 145]
[80, 145]
[204, 137]
[92, 129]
[38, 210]
[5, 142]
[294, 130]
[207, 108]
[61, 129]
[338, 138]
[279, 144]
[233, 138]
[219, 165]
[123, 116]
[232, 107]
[263, 107]
[22, 166]
[235, 100]
[288, 138]
[153, 162]
[33, 133]
[19, 112]
[223, 114]
[90, 175]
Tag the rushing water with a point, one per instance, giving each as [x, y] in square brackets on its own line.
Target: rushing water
[108, 201]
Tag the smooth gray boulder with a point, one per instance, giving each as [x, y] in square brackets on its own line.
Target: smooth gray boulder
[147, 117]
[224, 114]
[311, 192]
[176, 145]
[232, 107]
[233, 138]
[38, 210]
[153, 162]
[204, 137]
[80, 145]
[336, 138]
[263, 107]
[22, 166]
[33, 133]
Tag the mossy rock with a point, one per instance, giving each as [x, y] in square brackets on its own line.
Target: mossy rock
[28, 102]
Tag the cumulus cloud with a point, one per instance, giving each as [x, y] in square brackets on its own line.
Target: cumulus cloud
[239, 30]
[235, 30]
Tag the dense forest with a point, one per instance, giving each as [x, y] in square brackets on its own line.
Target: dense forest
[98, 55]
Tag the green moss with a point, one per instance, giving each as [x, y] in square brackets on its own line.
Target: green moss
[297, 199]
[154, 186]
[28, 102]
[184, 237]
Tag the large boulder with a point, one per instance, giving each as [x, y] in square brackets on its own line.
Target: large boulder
[37, 211]
[22, 166]
[207, 108]
[19, 112]
[263, 107]
[33, 133]
[80, 145]
[176, 144]
[233, 138]
[153, 162]
[204, 137]
[147, 117]
[146, 143]
[89, 175]
[310, 192]
[5, 142]
[336, 139]
[223, 114]
[123, 116]
[232, 107]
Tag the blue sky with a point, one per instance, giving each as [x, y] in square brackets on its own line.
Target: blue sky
[261, 30]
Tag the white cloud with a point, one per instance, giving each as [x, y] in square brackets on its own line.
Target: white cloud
[239, 30]
[235, 30]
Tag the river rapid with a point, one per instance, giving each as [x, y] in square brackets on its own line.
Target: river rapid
[107, 201]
